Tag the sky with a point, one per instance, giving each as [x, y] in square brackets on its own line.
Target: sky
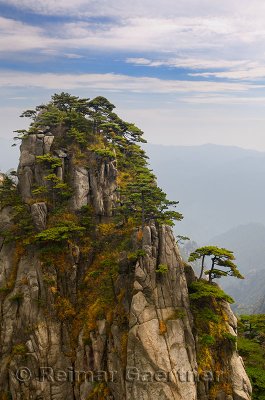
[187, 72]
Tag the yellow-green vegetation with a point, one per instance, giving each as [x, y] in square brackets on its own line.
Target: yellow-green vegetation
[49, 160]
[56, 192]
[251, 346]
[162, 269]
[64, 308]
[61, 232]
[204, 290]
[180, 313]
[215, 342]
[18, 252]
[134, 256]
[99, 392]
[19, 350]
[100, 277]
[22, 226]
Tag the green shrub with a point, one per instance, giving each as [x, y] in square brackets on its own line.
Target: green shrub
[19, 349]
[93, 274]
[203, 289]
[257, 378]
[207, 340]
[80, 137]
[60, 233]
[250, 345]
[206, 314]
[250, 348]
[162, 269]
[231, 338]
[39, 190]
[105, 153]
[180, 314]
[51, 116]
[133, 257]
[49, 160]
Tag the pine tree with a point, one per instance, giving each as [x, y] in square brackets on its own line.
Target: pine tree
[220, 258]
[92, 125]
[145, 201]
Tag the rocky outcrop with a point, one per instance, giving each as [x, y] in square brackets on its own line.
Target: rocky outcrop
[39, 215]
[145, 350]
[94, 184]
[160, 342]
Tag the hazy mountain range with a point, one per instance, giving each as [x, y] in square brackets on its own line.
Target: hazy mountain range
[248, 244]
[222, 197]
[218, 187]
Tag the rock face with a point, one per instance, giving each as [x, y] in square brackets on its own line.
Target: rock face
[39, 215]
[94, 185]
[160, 344]
[146, 350]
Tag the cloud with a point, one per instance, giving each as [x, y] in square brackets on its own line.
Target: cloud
[99, 7]
[146, 8]
[50, 7]
[143, 34]
[73, 55]
[250, 72]
[188, 63]
[18, 36]
[225, 100]
[195, 42]
[157, 34]
[117, 82]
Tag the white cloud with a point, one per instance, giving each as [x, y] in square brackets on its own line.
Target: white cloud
[73, 55]
[17, 36]
[143, 34]
[118, 82]
[225, 100]
[189, 40]
[189, 63]
[157, 34]
[250, 72]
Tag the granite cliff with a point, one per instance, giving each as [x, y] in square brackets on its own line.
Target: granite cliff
[94, 306]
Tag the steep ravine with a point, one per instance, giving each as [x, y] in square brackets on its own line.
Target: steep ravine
[57, 336]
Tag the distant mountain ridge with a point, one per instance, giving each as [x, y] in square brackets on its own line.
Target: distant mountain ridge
[218, 187]
[222, 195]
[248, 244]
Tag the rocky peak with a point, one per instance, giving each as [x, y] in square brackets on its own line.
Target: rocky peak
[94, 295]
